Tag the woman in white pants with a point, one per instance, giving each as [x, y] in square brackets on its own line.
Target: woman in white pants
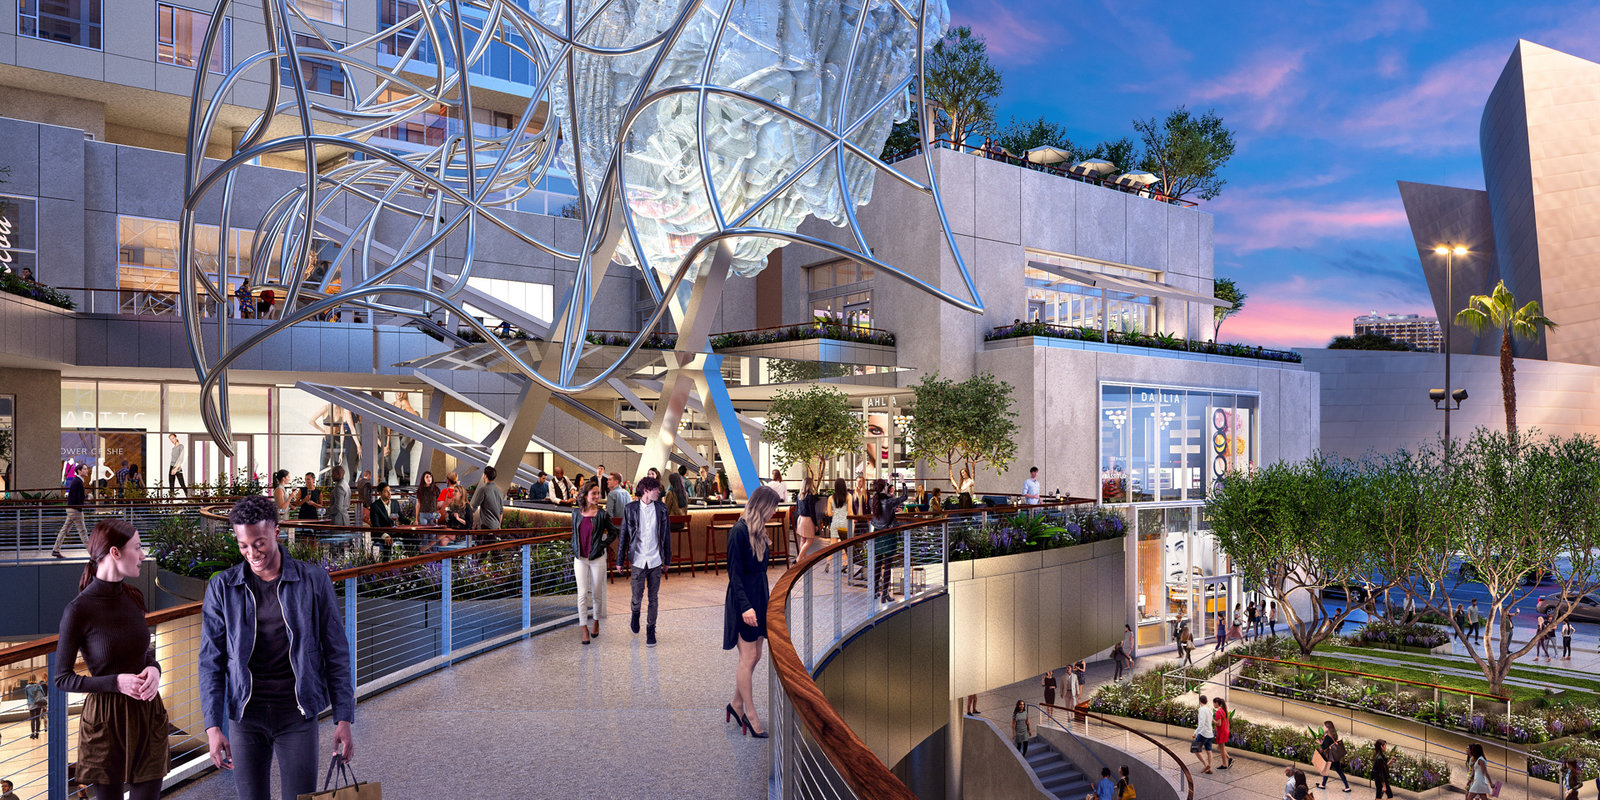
[592, 534]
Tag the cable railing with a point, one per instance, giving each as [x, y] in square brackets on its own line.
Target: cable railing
[1166, 762]
[402, 617]
[817, 607]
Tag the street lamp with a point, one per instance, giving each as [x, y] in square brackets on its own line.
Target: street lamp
[1438, 395]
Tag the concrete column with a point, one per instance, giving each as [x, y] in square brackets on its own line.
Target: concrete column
[954, 740]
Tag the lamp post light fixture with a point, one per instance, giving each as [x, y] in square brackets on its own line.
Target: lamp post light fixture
[1438, 395]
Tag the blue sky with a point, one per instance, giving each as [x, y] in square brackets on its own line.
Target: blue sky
[1331, 103]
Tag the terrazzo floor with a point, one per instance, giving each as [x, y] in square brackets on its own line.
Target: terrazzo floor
[549, 718]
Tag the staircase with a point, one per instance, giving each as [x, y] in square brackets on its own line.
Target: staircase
[1061, 778]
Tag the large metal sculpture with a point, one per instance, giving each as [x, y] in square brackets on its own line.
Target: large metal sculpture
[699, 135]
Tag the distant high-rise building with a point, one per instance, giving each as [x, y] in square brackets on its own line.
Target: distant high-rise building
[1421, 332]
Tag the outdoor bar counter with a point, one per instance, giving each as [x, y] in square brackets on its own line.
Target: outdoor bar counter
[700, 517]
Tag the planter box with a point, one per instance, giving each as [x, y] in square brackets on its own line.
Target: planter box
[181, 588]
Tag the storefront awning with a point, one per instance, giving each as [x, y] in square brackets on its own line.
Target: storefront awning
[1123, 283]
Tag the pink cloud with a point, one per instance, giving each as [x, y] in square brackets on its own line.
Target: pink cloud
[1276, 316]
[1256, 79]
[1249, 222]
[1385, 17]
[1439, 112]
[1011, 40]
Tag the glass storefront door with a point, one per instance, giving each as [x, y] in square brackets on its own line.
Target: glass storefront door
[1181, 577]
[208, 464]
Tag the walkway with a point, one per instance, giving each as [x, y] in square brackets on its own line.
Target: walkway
[549, 718]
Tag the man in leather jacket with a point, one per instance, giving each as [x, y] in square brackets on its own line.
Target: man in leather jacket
[273, 655]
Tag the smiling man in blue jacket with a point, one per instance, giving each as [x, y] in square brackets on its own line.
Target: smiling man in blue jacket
[273, 656]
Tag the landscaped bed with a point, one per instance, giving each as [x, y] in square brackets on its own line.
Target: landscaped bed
[1148, 697]
[1024, 532]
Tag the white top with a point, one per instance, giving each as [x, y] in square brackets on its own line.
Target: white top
[777, 486]
[1205, 726]
[649, 547]
[1030, 492]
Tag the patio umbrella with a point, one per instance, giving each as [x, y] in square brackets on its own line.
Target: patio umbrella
[1049, 154]
[1138, 178]
[1095, 166]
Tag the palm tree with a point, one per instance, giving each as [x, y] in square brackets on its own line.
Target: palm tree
[1499, 311]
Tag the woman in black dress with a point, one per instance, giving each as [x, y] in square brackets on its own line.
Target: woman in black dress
[122, 731]
[744, 620]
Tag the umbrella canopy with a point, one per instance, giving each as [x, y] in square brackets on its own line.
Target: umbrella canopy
[1049, 154]
[1138, 178]
[1095, 166]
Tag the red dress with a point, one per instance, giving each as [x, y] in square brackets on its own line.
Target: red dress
[1222, 726]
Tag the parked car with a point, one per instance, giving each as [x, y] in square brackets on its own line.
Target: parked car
[1585, 607]
[1344, 594]
[1533, 577]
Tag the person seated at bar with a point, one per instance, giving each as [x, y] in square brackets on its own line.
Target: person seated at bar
[384, 512]
[540, 491]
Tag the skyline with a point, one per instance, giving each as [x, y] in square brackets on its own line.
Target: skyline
[1331, 105]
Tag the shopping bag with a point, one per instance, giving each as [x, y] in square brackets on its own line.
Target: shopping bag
[1318, 763]
[1494, 788]
[348, 789]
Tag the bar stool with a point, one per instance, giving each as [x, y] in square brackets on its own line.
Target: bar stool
[611, 555]
[716, 549]
[678, 527]
[780, 543]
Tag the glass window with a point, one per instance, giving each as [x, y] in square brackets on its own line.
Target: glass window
[147, 262]
[19, 226]
[330, 11]
[181, 34]
[1114, 431]
[1151, 593]
[320, 74]
[1197, 410]
[1058, 300]
[66, 21]
[537, 299]
[7, 440]
[1169, 444]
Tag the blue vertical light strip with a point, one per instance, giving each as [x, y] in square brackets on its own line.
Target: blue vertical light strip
[447, 617]
[527, 587]
[744, 466]
[56, 736]
[350, 624]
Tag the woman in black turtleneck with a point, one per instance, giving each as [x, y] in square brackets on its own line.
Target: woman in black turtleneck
[122, 732]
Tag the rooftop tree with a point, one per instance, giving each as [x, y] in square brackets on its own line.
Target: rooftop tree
[1498, 311]
[963, 423]
[1226, 290]
[1122, 152]
[810, 427]
[1187, 152]
[959, 80]
[1019, 137]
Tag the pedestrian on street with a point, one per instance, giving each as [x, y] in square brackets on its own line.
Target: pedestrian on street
[1119, 660]
[1473, 620]
[1272, 617]
[1380, 770]
[1566, 640]
[1204, 734]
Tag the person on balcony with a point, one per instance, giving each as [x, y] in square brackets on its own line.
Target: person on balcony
[645, 551]
[339, 499]
[175, 467]
[488, 502]
[310, 498]
[273, 656]
[122, 730]
[243, 296]
[76, 498]
[384, 512]
[427, 499]
[744, 619]
[1030, 488]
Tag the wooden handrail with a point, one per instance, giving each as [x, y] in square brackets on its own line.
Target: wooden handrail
[859, 767]
[47, 645]
[1384, 678]
[1188, 779]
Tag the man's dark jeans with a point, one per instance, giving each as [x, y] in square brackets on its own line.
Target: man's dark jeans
[36, 719]
[638, 581]
[274, 730]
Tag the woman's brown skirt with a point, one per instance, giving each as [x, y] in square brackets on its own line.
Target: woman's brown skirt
[122, 740]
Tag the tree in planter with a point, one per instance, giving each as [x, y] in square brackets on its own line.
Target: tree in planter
[810, 427]
[1513, 509]
[1226, 290]
[960, 81]
[1293, 528]
[963, 423]
[1186, 151]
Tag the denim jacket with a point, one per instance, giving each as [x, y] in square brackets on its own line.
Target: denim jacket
[318, 651]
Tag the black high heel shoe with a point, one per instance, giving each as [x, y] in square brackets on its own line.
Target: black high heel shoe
[732, 715]
[745, 722]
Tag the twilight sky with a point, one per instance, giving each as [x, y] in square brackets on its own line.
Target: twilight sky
[1331, 103]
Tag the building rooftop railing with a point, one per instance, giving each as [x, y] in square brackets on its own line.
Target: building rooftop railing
[1062, 170]
[1157, 341]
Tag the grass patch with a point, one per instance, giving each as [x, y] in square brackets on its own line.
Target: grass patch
[1423, 675]
[1531, 673]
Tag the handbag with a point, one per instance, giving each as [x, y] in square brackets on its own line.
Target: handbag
[1494, 788]
[1336, 752]
[1195, 746]
[349, 788]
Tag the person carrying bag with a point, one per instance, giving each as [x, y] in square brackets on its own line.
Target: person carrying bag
[348, 789]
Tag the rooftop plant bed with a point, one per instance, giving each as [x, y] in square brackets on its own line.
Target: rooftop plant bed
[1158, 341]
[819, 329]
[1024, 532]
[10, 282]
[1147, 697]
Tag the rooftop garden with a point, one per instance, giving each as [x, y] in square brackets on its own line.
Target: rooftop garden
[1157, 341]
[14, 284]
[816, 329]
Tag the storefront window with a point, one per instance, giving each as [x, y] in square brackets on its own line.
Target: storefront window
[1114, 447]
[8, 439]
[1151, 595]
[1172, 445]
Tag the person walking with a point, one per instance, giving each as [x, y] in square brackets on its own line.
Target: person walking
[38, 693]
[1272, 618]
[1252, 621]
[310, 498]
[805, 518]
[1049, 683]
[1566, 640]
[1474, 622]
[744, 621]
[339, 497]
[1125, 785]
[592, 535]
[1332, 750]
[1105, 788]
[122, 730]
[1542, 636]
[1205, 732]
[1074, 685]
[428, 499]
[1119, 660]
[175, 467]
[273, 656]
[839, 504]
[1478, 787]
[76, 498]
[645, 552]
[488, 503]
[1221, 728]
[1021, 727]
[883, 547]
[617, 497]
[1222, 629]
[1186, 644]
[1380, 770]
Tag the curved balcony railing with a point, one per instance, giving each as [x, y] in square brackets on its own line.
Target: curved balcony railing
[816, 608]
[403, 617]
